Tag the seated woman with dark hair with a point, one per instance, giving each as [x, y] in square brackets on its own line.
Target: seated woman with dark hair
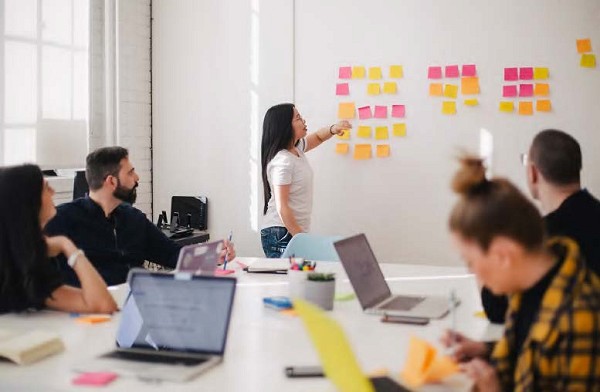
[27, 278]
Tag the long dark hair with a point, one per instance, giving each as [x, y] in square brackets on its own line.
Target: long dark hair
[23, 250]
[277, 135]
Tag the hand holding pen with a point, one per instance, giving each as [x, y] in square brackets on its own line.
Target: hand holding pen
[227, 245]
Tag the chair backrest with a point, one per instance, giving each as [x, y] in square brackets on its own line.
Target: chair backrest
[80, 185]
[312, 247]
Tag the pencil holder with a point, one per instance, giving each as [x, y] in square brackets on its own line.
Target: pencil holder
[320, 290]
[297, 283]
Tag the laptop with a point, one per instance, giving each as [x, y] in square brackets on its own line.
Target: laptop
[172, 328]
[372, 290]
[199, 258]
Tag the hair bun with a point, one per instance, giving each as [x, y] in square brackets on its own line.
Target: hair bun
[470, 176]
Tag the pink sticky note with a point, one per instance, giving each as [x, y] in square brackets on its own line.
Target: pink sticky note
[222, 272]
[526, 73]
[452, 71]
[364, 113]
[345, 73]
[434, 73]
[380, 111]
[469, 70]
[342, 89]
[525, 90]
[398, 111]
[509, 91]
[98, 378]
[511, 74]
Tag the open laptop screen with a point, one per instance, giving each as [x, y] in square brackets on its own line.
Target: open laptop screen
[176, 313]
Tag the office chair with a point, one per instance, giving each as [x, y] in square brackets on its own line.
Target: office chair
[312, 247]
[80, 185]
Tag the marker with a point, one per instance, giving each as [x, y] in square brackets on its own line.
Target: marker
[227, 251]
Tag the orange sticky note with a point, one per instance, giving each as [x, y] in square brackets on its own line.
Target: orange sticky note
[93, 319]
[525, 108]
[450, 90]
[448, 107]
[424, 365]
[345, 135]
[588, 60]
[436, 89]
[399, 129]
[584, 45]
[362, 151]
[375, 73]
[542, 89]
[381, 133]
[469, 86]
[373, 89]
[543, 105]
[471, 102]
[358, 72]
[342, 148]
[364, 131]
[507, 106]
[396, 71]
[383, 150]
[390, 88]
[346, 110]
[541, 73]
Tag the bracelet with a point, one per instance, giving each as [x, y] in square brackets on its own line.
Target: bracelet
[73, 258]
[332, 125]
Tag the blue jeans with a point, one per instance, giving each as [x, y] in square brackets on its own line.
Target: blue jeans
[274, 240]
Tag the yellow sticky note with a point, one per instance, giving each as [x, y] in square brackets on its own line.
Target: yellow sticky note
[362, 151]
[450, 90]
[449, 107]
[374, 73]
[373, 89]
[424, 365]
[345, 135]
[358, 72]
[584, 45]
[525, 108]
[542, 89]
[399, 129]
[507, 106]
[588, 60]
[543, 105]
[346, 110]
[469, 86]
[436, 89]
[383, 150]
[471, 102]
[364, 131]
[390, 88]
[381, 133]
[342, 148]
[396, 71]
[540, 73]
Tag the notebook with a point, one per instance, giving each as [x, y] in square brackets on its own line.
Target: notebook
[265, 265]
[173, 327]
[199, 258]
[27, 347]
[372, 290]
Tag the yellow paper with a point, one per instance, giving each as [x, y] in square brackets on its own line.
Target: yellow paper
[471, 102]
[584, 45]
[436, 89]
[373, 89]
[396, 71]
[381, 133]
[375, 73]
[390, 88]
[358, 72]
[540, 73]
[342, 148]
[423, 365]
[541, 89]
[346, 110]
[399, 129]
[362, 151]
[543, 105]
[469, 86]
[449, 107]
[450, 90]
[383, 150]
[338, 360]
[345, 135]
[364, 131]
[525, 108]
[588, 60]
[507, 106]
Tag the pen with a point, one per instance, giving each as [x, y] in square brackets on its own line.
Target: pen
[227, 250]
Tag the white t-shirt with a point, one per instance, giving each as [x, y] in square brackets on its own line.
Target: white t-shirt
[288, 169]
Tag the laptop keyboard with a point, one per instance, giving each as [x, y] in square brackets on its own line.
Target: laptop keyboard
[402, 303]
[155, 358]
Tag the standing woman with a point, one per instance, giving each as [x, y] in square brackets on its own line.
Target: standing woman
[28, 280]
[287, 176]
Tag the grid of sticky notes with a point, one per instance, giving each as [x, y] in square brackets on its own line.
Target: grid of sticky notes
[376, 121]
[525, 88]
[445, 83]
[584, 48]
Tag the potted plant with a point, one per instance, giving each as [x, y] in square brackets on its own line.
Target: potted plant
[320, 289]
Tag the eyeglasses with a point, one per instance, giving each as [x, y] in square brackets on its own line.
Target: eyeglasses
[524, 158]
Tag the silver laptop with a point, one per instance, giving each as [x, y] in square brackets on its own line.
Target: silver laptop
[372, 290]
[199, 258]
[173, 327]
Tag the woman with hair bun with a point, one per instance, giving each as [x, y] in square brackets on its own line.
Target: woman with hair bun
[552, 330]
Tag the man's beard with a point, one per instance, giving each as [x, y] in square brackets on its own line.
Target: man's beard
[125, 194]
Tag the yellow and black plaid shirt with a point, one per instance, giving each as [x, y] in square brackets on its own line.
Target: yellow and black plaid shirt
[562, 349]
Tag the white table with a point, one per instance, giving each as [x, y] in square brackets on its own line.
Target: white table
[261, 341]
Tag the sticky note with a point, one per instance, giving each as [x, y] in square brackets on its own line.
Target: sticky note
[469, 85]
[436, 89]
[375, 73]
[373, 89]
[398, 111]
[541, 89]
[381, 112]
[525, 90]
[362, 151]
[390, 88]
[345, 73]
[93, 319]
[584, 45]
[364, 131]
[588, 60]
[452, 71]
[424, 365]
[540, 73]
[342, 89]
[525, 108]
[434, 73]
[364, 113]
[396, 71]
[526, 73]
[469, 70]
[450, 90]
[399, 129]
[346, 110]
[448, 107]
[507, 106]
[95, 378]
[345, 135]
[358, 72]
[543, 105]
[509, 91]
[381, 133]
[342, 148]
[383, 150]
[471, 102]
[511, 74]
